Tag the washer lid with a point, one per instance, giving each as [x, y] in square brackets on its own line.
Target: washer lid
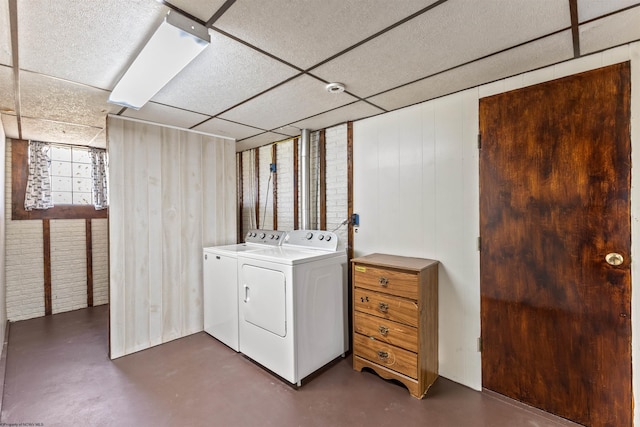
[233, 250]
[291, 256]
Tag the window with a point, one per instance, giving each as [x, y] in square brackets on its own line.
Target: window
[19, 174]
[71, 182]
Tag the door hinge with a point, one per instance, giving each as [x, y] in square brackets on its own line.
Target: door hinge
[479, 141]
[479, 244]
[479, 344]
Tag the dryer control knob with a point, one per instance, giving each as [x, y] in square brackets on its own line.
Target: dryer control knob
[321, 237]
[328, 238]
[309, 236]
[262, 235]
[277, 237]
[271, 236]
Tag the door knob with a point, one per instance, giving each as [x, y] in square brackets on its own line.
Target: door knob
[614, 258]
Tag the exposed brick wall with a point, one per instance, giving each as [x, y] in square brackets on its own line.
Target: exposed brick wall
[266, 188]
[24, 262]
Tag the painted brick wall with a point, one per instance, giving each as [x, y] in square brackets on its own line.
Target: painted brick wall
[248, 191]
[266, 188]
[336, 179]
[68, 265]
[100, 260]
[24, 271]
[285, 185]
[24, 262]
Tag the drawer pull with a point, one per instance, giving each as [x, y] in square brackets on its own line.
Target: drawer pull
[383, 330]
[383, 281]
[383, 307]
[383, 355]
[364, 299]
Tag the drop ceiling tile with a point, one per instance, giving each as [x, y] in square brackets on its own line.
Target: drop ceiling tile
[10, 125]
[5, 34]
[259, 140]
[7, 94]
[164, 114]
[589, 9]
[295, 100]
[289, 130]
[201, 9]
[611, 31]
[450, 34]
[221, 127]
[63, 133]
[291, 30]
[226, 73]
[83, 42]
[533, 55]
[355, 111]
[64, 101]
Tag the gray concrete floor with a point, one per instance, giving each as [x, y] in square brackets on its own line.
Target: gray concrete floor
[58, 374]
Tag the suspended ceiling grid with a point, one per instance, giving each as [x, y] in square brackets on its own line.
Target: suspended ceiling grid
[263, 77]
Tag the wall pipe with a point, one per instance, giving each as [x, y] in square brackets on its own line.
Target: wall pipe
[305, 191]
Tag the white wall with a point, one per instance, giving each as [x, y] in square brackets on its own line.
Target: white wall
[416, 189]
[173, 192]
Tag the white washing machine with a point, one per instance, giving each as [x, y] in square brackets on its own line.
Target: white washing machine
[293, 304]
[220, 283]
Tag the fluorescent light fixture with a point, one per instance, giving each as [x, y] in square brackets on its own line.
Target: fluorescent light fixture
[176, 42]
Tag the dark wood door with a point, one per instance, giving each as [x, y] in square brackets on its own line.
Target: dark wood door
[555, 172]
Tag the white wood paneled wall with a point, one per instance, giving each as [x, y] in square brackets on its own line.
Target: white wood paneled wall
[416, 188]
[172, 192]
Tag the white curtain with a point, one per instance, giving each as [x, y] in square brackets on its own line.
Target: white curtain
[38, 194]
[99, 175]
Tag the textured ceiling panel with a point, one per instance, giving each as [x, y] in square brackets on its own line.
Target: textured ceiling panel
[291, 30]
[355, 111]
[201, 9]
[7, 94]
[60, 100]
[589, 9]
[300, 98]
[5, 34]
[610, 31]
[63, 133]
[10, 125]
[227, 128]
[530, 56]
[451, 34]
[259, 140]
[226, 73]
[84, 41]
[164, 114]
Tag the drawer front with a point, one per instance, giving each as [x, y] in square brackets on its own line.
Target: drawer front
[386, 306]
[387, 355]
[387, 331]
[388, 281]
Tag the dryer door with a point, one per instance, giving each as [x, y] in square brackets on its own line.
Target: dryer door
[263, 299]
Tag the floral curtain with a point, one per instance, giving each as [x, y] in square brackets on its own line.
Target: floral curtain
[38, 194]
[99, 175]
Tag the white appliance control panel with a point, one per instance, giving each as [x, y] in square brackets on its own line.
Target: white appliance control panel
[265, 237]
[313, 239]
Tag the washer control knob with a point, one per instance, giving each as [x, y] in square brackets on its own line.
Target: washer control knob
[271, 236]
[262, 235]
[328, 238]
[277, 237]
[309, 236]
[321, 237]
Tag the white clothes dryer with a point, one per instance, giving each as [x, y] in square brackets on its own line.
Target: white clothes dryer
[220, 283]
[293, 304]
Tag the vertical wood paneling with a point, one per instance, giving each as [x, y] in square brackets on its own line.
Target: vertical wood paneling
[171, 235]
[191, 186]
[117, 299]
[256, 183]
[154, 241]
[177, 194]
[240, 201]
[428, 193]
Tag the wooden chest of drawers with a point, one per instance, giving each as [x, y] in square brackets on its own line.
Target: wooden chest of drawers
[395, 319]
